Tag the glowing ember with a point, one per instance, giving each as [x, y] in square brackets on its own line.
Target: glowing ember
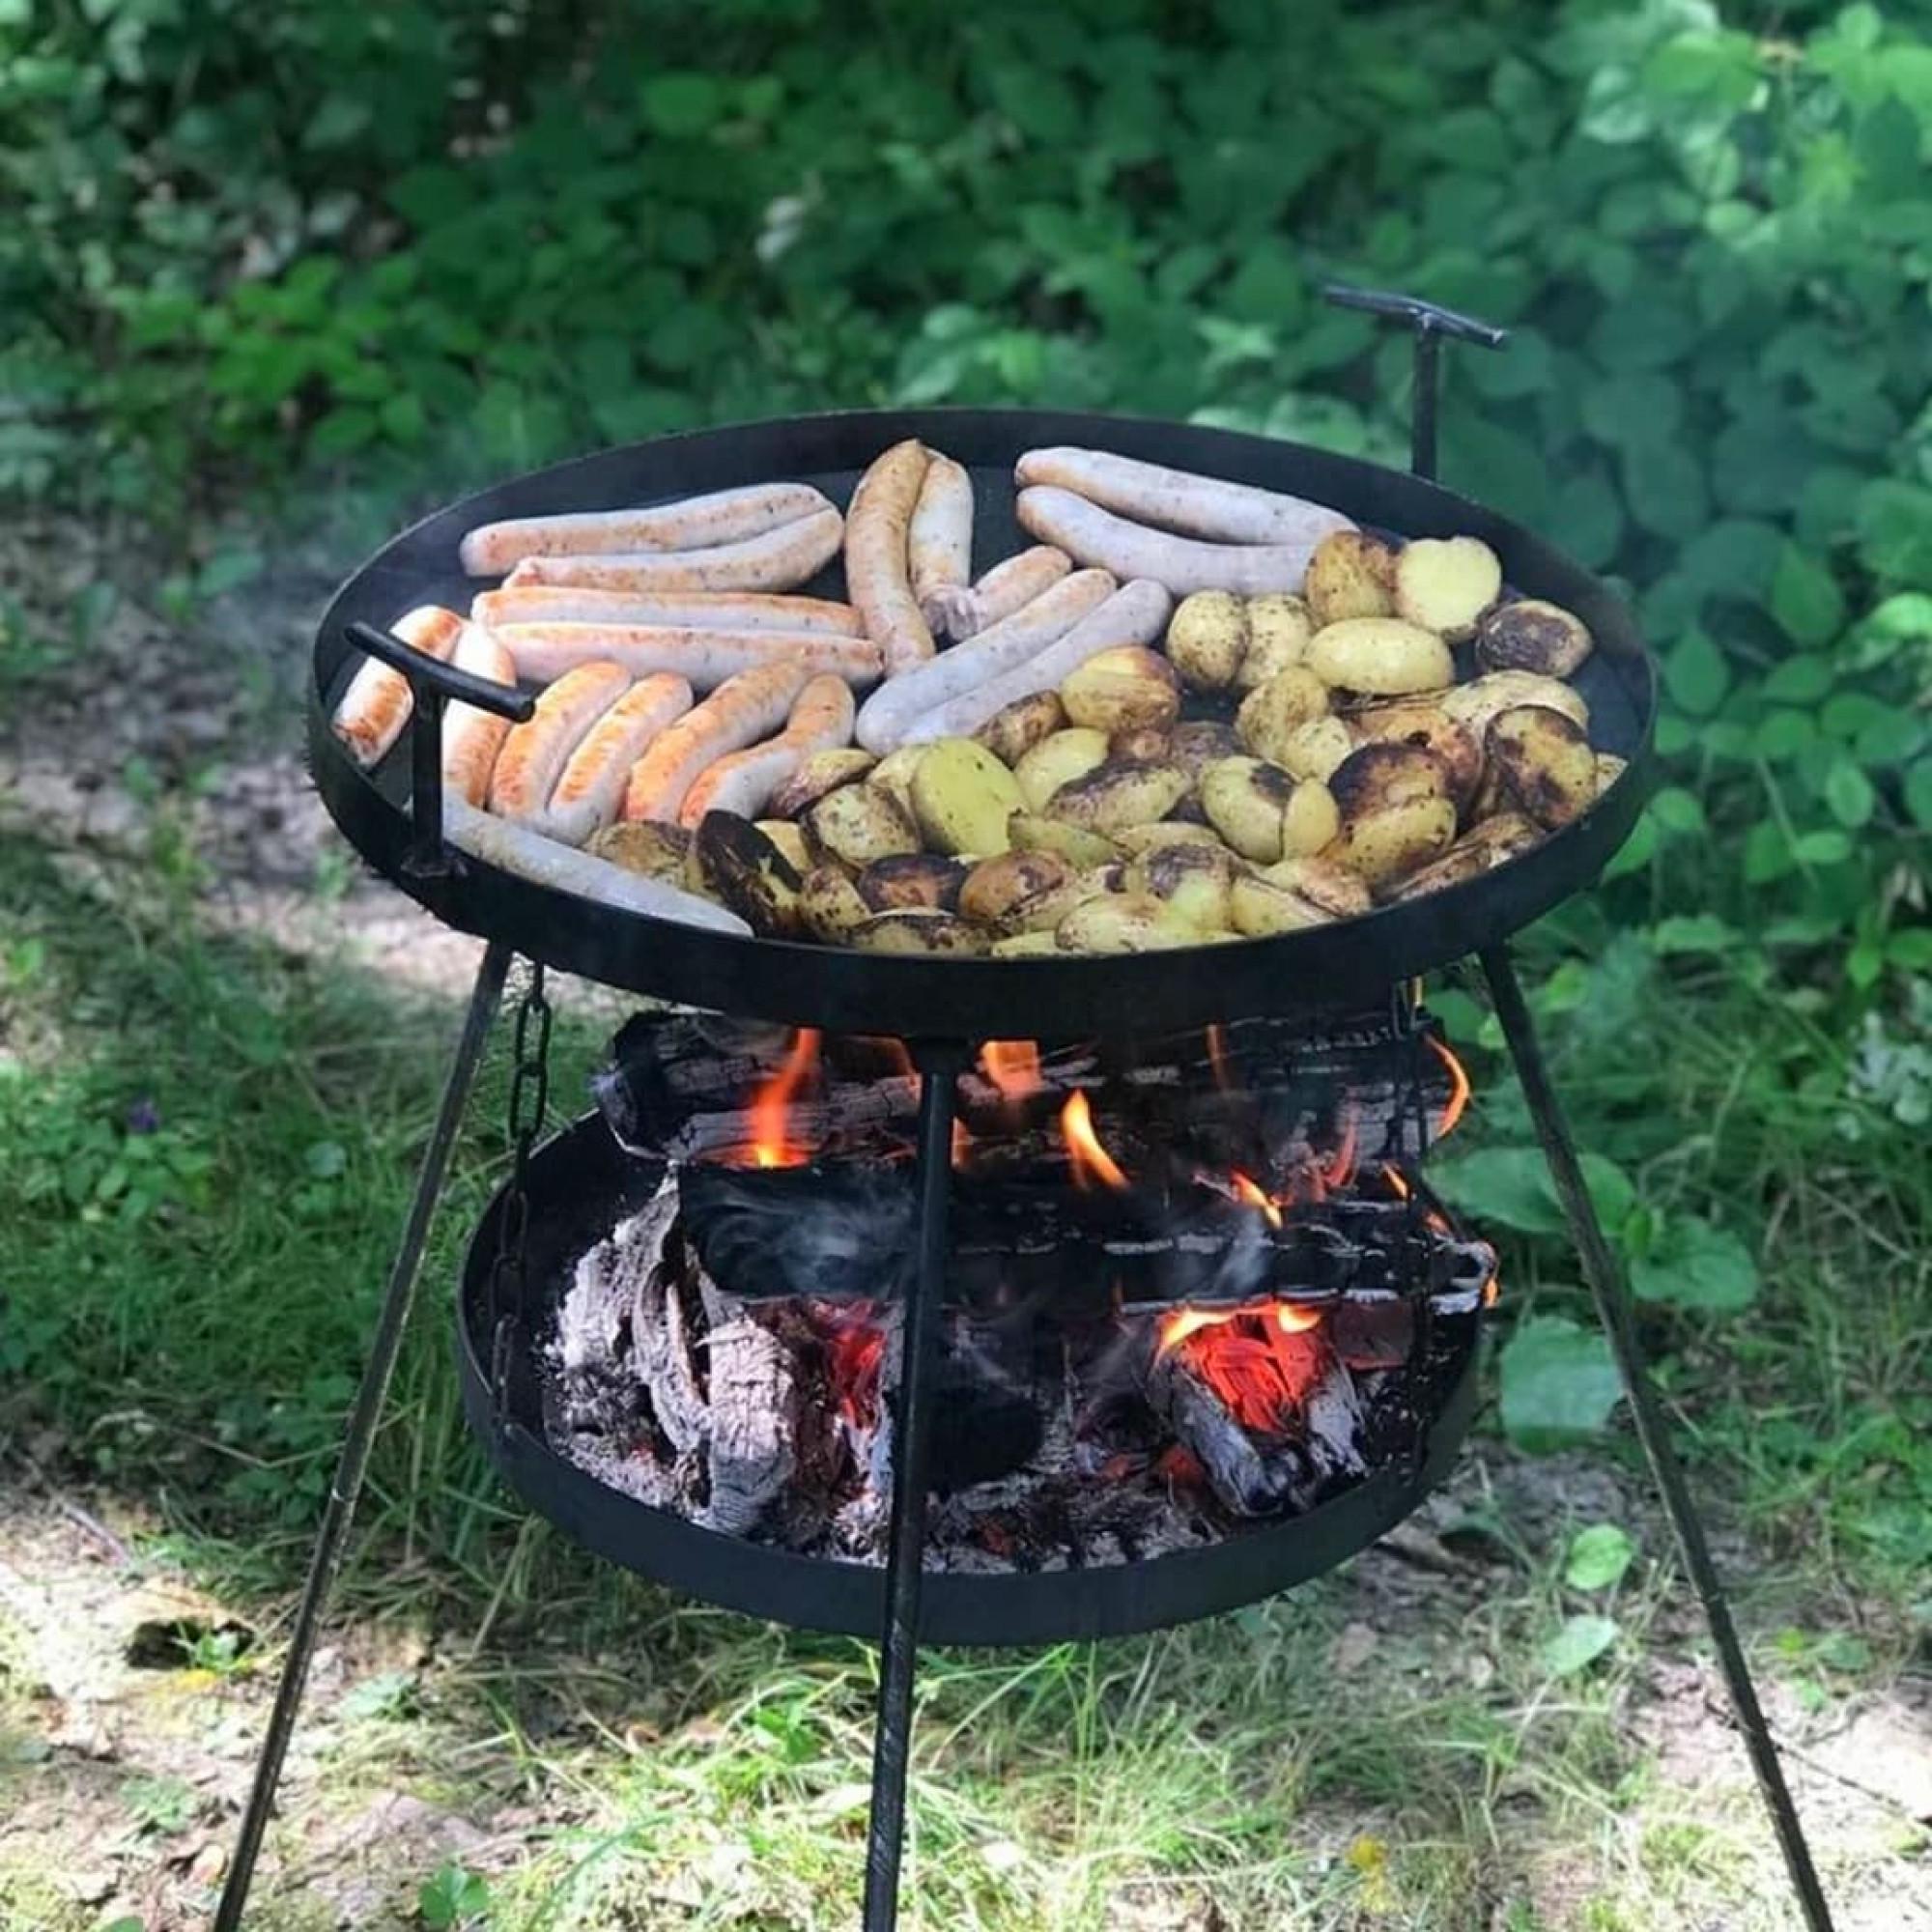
[772, 1145]
[1458, 1086]
[1248, 1191]
[1092, 1161]
[855, 1347]
[1393, 1175]
[962, 1145]
[1254, 1359]
[1013, 1065]
[1341, 1170]
[1492, 1289]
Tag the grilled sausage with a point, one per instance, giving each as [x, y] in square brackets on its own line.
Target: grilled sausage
[1006, 587]
[743, 782]
[694, 610]
[538, 749]
[741, 711]
[939, 543]
[592, 790]
[781, 559]
[877, 567]
[377, 702]
[707, 658]
[471, 737]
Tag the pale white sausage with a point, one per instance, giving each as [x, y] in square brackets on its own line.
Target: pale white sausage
[591, 788]
[1006, 587]
[939, 545]
[1136, 614]
[707, 658]
[897, 702]
[697, 523]
[1097, 536]
[781, 559]
[1180, 499]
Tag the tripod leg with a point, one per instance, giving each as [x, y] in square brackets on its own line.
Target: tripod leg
[911, 1440]
[354, 1463]
[1653, 1429]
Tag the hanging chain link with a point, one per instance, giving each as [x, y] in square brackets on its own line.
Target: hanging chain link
[529, 1101]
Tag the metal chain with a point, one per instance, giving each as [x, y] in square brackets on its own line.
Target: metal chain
[529, 1101]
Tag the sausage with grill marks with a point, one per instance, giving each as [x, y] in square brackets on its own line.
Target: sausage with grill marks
[877, 568]
[741, 711]
[939, 542]
[781, 559]
[743, 782]
[471, 737]
[377, 702]
[538, 750]
[592, 790]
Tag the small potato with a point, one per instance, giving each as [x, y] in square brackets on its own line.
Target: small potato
[789, 841]
[1378, 774]
[1136, 841]
[1207, 638]
[1110, 876]
[1445, 584]
[912, 879]
[1475, 853]
[1545, 763]
[1332, 890]
[1244, 800]
[822, 772]
[1383, 657]
[1122, 690]
[830, 906]
[1257, 909]
[1014, 730]
[642, 845]
[1056, 759]
[1389, 841]
[1118, 794]
[962, 797]
[857, 824]
[1279, 632]
[1350, 575]
[1310, 820]
[1273, 712]
[1200, 742]
[933, 935]
[1609, 769]
[893, 772]
[1148, 745]
[1123, 923]
[1531, 635]
[1193, 881]
[1456, 867]
[1479, 700]
[1312, 750]
[747, 872]
[1031, 832]
[998, 892]
[1431, 727]
[1027, 946]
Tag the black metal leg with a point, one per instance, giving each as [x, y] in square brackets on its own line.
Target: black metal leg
[939, 1065]
[1653, 1429]
[363, 1420]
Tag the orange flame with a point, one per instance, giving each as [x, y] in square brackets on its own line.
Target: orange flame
[1248, 1191]
[1458, 1086]
[1248, 1356]
[1013, 1065]
[1217, 1057]
[1342, 1169]
[962, 1145]
[772, 1145]
[1092, 1161]
[1492, 1289]
[1393, 1175]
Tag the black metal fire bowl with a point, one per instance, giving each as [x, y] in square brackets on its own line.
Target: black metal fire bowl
[1312, 972]
[581, 1184]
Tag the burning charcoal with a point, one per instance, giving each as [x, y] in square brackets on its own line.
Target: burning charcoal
[1371, 1334]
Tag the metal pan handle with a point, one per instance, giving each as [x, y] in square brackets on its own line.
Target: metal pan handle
[433, 684]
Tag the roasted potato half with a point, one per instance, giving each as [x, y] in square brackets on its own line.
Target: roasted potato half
[962, 797]
[1014, 730]
[1018, 892]
[821, 772]
[1351, 574]
[1391, 841]
[1193, 881]
[1310, 820]
[1445, 584]
[1198, 742]
[1118, 794]
[1312, 750]
[1273, 711]
[1335, 891]
[934, 935]
[1056, 761]
[1207, 638]
[1431, 727]
[1033, 832]
[909, 879]
[1279, 632]
[830, 906]
[1478, 851]
[1137, 840]
[1027, 946]
[1545, 762]
[1479, 700]
[1529, 633]
[1126, 689]
[1124, 923]
[1257, 908]
[748, 873]
[1377, 774]
[1380, 657]
[893, 772]
[857, 824]
[1244, 800]
[645, 846]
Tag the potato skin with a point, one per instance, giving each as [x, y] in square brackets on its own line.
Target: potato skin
[1479, 700]
[1351, 574]
[1312, 750]
[1123, 923]
[1545, 763]
[1116, 794]
[821, 772]
[912, 879]
[1245, 800]
[962, 797]
[1373, 776]
[1530, 633]
[1207, 638]
[1122, 690]
[1137, 840]
[1193, 881]
[1382, 657]
[1331, 889]
[645, 846]
[893, 772]
[1273, 712]
[1026, 946]
[1257, 909]
[789, 841]
[998, 892]
[1014, 730]
[1476, 852]
[932, 935]
[1279, 632]
[748, 873]
[1035, 831]
[1390, 841]
[857, 824]
[1147, 744]
[830, 906]
[1198, 742]
[1445, 584]
[1310, 820]
[1431, 727]
[1055, 760]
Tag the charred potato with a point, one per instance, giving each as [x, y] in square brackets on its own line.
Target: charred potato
[1207, 638]
[1125, 688]
[1531, 635]
[1376, 775]
[1244, 800]
[893, 772]
[1014, 730]
[1332, 890]
[1382, 657]
[1116, 794]
[1475, 853]
[1310, 820]
[1123, 923]
[962, 797]
[1445, 584]
[1056, 759]
[748, 873]
[1396, 810]
[1033, 832]
[1192, 881]
[1197, 744]
[1351, 574]
[1545, 763]
[1479, 700]
[1278, 637]
[822, 772]
[829, 905]
[642, 845]
[1136, 841]
[1018, 892]
[1312, 750]
[1257, 908]
[912, 879]
[1273, 712]
[1147, 744]
[1431, 727]
[789, 841]
[934, 935]
[857, 824]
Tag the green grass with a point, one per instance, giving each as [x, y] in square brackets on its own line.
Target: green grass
[188, 1308]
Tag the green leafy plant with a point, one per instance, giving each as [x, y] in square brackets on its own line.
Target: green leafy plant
[453, 1897]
